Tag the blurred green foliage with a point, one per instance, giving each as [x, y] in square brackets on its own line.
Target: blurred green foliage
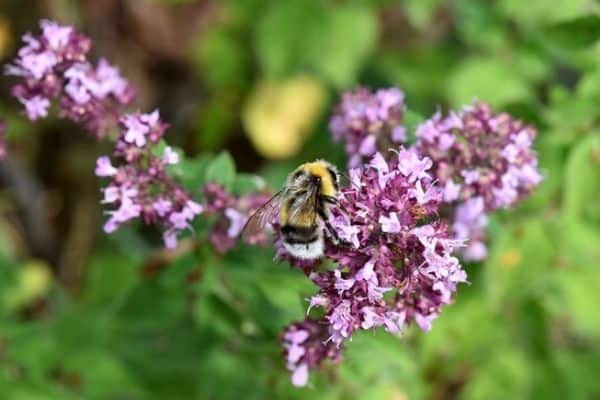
[197, 325]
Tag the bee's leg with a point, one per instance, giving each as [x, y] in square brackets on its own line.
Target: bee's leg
[335, 238]
[332, 233]
[334, 201]
[330, 200]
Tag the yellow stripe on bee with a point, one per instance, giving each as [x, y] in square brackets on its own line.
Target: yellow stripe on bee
[304, 219]
[298, 219]
[284, 211]
[319, 168]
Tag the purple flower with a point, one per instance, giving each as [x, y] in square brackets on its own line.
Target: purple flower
[170, 156]
[38, 64]
[470, 223]
[399, 134]
[162, 206]
[451, 191]
[484, 161]
[237, 220]
[231, 213]
[412, 166]
[400, 269]
[56, 35]
[136, 130]
[488, 155]
[140, 186]
[369, 122]
[53, 66]
[36, 107]
[104, 167]
[305, 347]
[346, 232]
[390, 224]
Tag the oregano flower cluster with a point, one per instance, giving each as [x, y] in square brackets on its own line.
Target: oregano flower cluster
[368, 122]
[404, 217]
[54, 66]
[140, 187]
[484, 162]
[395, 265]
[306, 346]
[231, 213]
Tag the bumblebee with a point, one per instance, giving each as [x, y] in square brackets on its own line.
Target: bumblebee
[302, 209]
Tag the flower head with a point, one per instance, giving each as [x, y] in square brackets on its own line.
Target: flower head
[480, 154]
[232, 212]
[305, 346]
[397, 268]
[54, 66]
[484, 162]
[369, 122]
[470, 222]
[140, 186]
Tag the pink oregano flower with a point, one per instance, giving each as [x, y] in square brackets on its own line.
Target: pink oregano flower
[368, 122]
[232, 212]
[484, 162]
[140, 187]
[53, 67]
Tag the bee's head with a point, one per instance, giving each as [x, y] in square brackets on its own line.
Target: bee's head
[319, 173]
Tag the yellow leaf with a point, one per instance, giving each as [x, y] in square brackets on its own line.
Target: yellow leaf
[33, 281]
[279, 116]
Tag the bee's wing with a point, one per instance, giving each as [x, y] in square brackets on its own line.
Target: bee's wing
[263, 216]
[304, 212]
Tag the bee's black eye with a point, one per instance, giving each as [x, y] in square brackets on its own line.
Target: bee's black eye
[297, 174]
[334, 177]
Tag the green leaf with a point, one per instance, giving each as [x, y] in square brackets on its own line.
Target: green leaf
[580, 298]
[479, 25]
[378, 364]
[582, 180]
[215, 121]
[575, 34]
[505, 376]
[247, 183]
[540, 12]
[102, 375]
[579, 372]
[486, 79]
[453, 338]
[282, 35]
[551, 165]
[191, 172]
[159, 148]
[339, 50]
[223, 48]
[221, 170]
[581, 209]
[513, 272]
[334, 41]
[420, 12]
[109, 278]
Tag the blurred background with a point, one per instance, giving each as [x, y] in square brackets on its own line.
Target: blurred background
[84, 315]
